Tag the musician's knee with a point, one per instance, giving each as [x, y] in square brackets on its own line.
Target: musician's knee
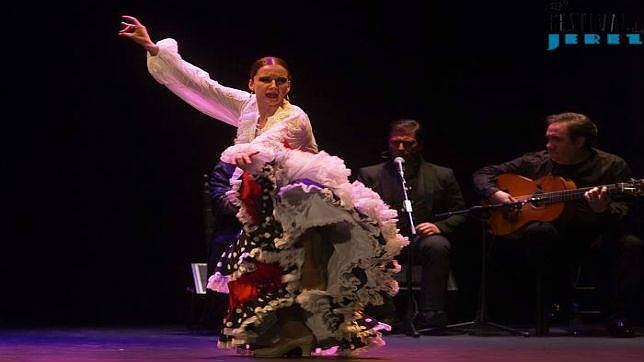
[631, 244]
[541, 239]
[435, 245]
[540, 229]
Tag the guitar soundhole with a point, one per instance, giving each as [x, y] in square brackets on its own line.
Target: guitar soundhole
[537, 204]
[536, 200]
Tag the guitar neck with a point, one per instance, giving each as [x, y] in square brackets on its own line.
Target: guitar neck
[571, 195]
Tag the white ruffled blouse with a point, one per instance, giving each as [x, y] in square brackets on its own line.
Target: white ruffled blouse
[289, 125]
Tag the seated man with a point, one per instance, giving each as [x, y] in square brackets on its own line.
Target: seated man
[225, 229]
[225, 226]
[432, 190]
[594, 221]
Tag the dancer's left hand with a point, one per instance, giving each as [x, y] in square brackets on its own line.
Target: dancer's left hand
[243, 160]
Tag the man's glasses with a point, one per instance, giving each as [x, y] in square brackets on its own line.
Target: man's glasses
[268, 80]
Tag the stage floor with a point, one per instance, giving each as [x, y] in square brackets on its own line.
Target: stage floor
[178, 344]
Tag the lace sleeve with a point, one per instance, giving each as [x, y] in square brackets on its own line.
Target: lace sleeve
[301, 133]
[195, 86]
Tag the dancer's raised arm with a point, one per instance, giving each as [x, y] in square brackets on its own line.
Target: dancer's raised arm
[138, 33]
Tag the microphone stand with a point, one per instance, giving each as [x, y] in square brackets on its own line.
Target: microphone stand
[481, 318]
[408, 322]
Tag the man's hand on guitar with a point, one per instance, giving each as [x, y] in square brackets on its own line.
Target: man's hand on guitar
[427, 229]
[543, 199]
[502, 197]
[597, 199]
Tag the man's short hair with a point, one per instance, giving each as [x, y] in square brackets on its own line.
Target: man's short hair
[579, 125]
[407, 126]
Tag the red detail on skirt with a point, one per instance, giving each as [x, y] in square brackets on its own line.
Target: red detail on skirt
[266, 278]
[250, 194]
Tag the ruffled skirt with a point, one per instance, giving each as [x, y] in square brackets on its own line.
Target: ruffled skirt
[287, 194]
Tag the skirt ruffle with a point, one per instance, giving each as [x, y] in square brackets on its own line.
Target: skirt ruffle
[300, 191]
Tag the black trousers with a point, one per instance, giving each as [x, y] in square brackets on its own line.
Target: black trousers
[433, 253]
[216, 303]
[555, 252]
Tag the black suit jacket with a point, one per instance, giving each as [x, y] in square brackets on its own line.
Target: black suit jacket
[437, 186]
[225, 226]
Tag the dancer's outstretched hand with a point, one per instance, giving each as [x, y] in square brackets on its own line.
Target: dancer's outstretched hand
[135, 31]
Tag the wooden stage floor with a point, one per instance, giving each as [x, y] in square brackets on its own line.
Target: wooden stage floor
[178, 344]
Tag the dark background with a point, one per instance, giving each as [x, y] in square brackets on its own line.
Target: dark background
[103, 166]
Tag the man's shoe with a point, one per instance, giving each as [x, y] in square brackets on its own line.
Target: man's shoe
[575, 326]
[620, 328]
[431, 319]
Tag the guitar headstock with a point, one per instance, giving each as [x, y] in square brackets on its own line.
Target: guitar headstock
[634, 187]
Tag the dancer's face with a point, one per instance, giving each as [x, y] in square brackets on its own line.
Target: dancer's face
[271, 84]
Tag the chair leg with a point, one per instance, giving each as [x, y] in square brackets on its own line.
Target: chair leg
[542, 327]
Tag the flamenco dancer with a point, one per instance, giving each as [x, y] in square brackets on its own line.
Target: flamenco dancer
[315, 249]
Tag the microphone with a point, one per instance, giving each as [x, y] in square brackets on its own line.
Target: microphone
[398, 161]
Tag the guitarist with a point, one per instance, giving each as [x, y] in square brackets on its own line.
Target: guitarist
[596, 222]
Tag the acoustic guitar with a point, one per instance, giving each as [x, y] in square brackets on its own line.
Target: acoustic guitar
[543, 199]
